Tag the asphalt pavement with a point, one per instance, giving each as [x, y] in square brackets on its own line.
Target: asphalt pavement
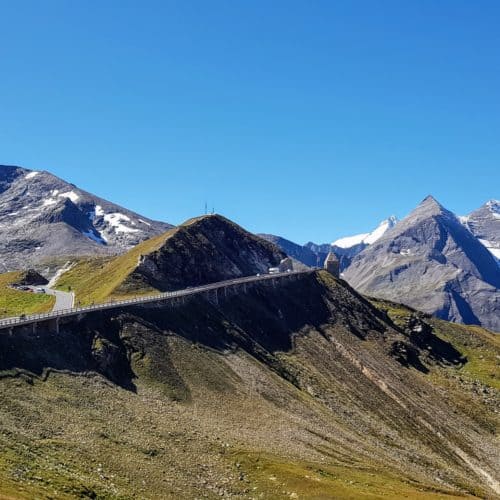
[64, 300]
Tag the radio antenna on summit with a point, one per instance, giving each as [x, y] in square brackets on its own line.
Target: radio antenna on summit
[206, 208]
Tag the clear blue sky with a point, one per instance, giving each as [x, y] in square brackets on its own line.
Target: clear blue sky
[310, 119]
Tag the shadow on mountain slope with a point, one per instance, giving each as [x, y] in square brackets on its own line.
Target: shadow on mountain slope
[304, 372]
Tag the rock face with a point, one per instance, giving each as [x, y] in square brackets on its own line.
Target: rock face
[31, 277]
[430, 261]
[42, 216]
[205, 250]
[484, 223]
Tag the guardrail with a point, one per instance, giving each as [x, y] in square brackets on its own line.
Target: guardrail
[33, 318]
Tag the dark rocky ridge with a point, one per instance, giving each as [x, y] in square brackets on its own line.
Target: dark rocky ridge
[204, 250]
[313, 354]
[431, 262]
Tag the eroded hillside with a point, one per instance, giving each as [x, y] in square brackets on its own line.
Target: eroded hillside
[305, 390]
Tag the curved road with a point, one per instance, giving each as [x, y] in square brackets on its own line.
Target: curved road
[64, 300]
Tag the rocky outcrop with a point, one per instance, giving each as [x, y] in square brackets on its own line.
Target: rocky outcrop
[205, 250]
[31, 277]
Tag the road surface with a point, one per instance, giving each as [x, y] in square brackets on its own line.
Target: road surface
[64, 300]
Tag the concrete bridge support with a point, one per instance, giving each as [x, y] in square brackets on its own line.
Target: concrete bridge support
[54, 325]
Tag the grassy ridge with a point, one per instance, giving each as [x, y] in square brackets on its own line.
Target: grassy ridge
[15, 302]
[97, 280]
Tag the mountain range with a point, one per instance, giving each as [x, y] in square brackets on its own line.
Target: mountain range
[292, 387]
[431, 260]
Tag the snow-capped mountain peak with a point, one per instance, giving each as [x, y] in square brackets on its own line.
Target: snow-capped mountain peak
[367, 238]
[494, 208]
[484, 224]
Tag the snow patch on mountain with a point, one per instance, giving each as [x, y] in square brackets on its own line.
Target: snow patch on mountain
[494, 207]
[116, 221]
[98, 239]
[367, 238]
[71, 195]
[494, 248]
[31, 175]
[350, 241]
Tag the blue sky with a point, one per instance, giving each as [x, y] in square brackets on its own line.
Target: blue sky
[309, 119]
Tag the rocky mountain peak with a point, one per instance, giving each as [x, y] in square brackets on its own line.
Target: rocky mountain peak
[204, 250]
[429, 207]
[430, 261]
[493, 206]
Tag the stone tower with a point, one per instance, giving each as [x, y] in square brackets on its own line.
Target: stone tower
[332, 264]
[286, 265]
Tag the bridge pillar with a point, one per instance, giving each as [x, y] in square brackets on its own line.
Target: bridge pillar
[34, 327]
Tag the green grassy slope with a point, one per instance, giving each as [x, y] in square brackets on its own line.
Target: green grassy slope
[473, 386]
[97, 279]
[15, 302]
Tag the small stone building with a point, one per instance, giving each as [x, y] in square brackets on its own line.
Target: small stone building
[332, 264]
[286, 265]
